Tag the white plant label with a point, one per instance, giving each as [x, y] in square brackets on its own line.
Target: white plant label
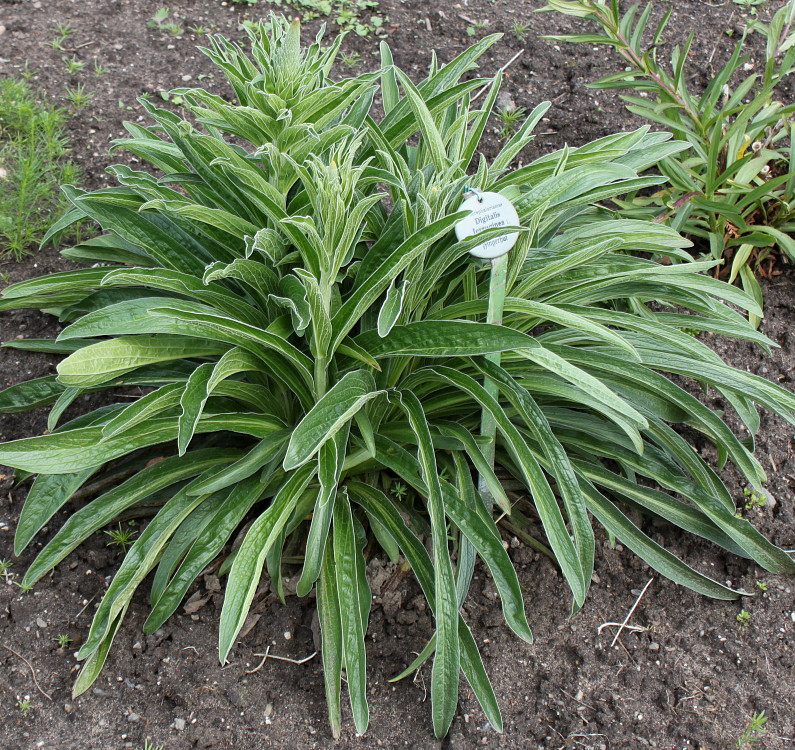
[489, 210]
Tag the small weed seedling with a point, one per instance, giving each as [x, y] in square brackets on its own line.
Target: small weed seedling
[350, 59]
[147, 744]
[761, 585]
[160, 22]
[158, 19]
[519, 30]
[743, 618]
[5, 570]
[399, 490]
[753, 731]
[63, 640]
[99, 68]
[78, 97]
[121, 537]
[24, 705]
[509, 121]
[73, 65]
[62, 33]
[753, 499]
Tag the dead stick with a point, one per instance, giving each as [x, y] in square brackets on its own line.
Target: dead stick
[500, 70]
[32, 671]
[268, 655]
[629, 614]
[74, 619]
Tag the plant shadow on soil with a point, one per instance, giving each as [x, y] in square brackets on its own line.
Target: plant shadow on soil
[690, 678]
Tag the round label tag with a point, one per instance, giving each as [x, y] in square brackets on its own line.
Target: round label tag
[489, 210]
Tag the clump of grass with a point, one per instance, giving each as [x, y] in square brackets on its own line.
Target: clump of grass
[32, 165]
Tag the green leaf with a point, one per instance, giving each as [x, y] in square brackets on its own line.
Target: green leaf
[46, 497]
[264, 452]
[153, 403]
[544, 499]
[377, 505]
[329, 415]
[353, 630]
[85, 447]
[94, 663]
[371, 288]
[658, 558]
[443, 338]
[390, 310]
[329, 612]
[247, 568]
[102, 510]
[99, 363]
[444, 675]
[205, 547]
[140, 559]
[30, 394]
[330, 461]
[193, 399]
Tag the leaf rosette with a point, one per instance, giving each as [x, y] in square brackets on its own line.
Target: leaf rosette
[306, 338]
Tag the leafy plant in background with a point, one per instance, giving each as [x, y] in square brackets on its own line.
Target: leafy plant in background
[311, 337]
[360, 16]
[749, 6]
[734, 188]
[160, 21]
[32, 165]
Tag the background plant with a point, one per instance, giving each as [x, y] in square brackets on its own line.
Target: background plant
[734, 188]
[310, 336]
[33, 161]
[753, 731]
[360, 16]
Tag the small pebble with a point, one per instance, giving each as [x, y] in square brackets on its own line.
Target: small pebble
[68, 708]
[187, 77]
[133, 717]
[268, 710]
[654, 646]
[40, 622]
[179, 724]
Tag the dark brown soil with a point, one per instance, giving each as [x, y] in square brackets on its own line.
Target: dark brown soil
[690, 678]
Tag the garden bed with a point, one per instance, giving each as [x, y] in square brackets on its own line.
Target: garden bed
[691, 676]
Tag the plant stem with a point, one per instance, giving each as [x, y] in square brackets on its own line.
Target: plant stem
[625, 50]
[488, 427]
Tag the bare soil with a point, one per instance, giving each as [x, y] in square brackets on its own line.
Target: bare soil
[690, 677]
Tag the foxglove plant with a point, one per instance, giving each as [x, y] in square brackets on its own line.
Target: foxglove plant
[291, 293]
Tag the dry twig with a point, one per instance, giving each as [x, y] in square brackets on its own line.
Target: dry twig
[481, 91]
[624, 626]
[32, 671]
[268, 655]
